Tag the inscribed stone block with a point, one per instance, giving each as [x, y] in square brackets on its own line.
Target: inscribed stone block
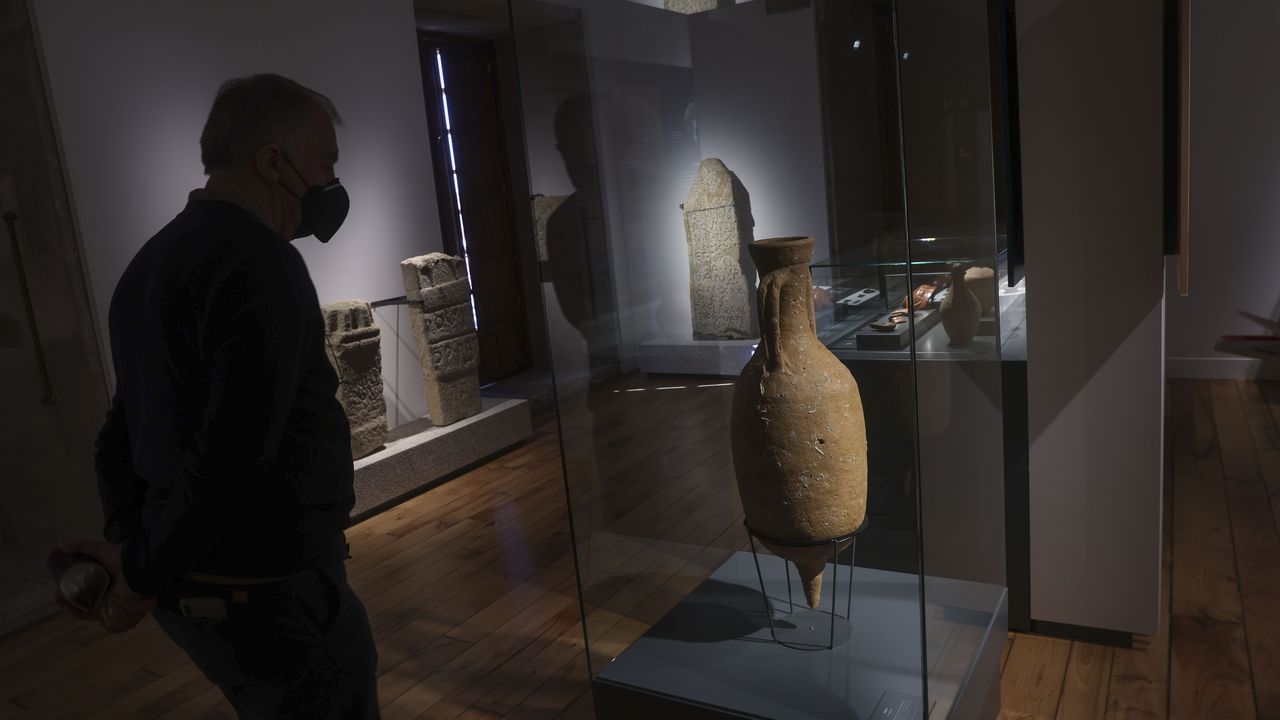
[543, 207]
[441, 314]
[355, 351]
[689, 7]
[718, 229]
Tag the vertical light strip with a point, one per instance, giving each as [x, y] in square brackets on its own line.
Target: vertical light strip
[1184, 148]
[457, 191]
[453, 161]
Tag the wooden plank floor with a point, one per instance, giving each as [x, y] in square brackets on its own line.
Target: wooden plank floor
[1216, 655]
[470, 587]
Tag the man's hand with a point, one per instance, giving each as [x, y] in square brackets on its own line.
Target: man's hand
[122, 608]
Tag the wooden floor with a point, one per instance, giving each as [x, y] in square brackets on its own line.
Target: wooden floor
[470, 587]
[1218, 652]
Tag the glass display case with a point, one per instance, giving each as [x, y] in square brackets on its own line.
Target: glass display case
[861, 304]
[680, 153]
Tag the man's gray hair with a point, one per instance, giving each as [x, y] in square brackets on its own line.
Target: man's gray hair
[250, 112]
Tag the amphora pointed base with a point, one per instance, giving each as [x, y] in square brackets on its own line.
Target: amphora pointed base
[810, 562]
[811, 629]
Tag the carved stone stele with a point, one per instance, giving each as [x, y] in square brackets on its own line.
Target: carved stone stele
[543, 207]
[690, 7]
[718, 231]
[355, 351]
[440, 311]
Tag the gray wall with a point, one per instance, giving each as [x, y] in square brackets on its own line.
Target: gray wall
[755, 81]
[132, 81]
[1235, 184]
[47, 488]
[1090, 84]
[756, 77]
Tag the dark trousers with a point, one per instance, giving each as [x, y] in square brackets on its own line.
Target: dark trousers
[295, 648]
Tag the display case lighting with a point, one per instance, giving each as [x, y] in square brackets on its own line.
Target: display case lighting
[457, 189]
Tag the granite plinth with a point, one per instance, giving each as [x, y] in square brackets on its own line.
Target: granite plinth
[418, 455]
[676, 355]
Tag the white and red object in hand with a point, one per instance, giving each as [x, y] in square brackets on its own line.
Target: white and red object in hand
[81, 581]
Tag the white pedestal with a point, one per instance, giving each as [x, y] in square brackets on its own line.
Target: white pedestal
[676, 355]
[413, 462]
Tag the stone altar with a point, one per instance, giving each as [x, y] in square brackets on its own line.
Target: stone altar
[355, 351]
[717, 224]
[440, 310]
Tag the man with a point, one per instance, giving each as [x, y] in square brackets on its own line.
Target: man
[224, 464]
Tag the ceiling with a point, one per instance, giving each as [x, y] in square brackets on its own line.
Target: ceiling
[489, 19]
[469, 18]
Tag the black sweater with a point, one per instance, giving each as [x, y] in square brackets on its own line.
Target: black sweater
[225, 450]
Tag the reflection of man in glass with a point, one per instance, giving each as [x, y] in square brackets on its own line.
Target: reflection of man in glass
[578, 255]
[578, 269]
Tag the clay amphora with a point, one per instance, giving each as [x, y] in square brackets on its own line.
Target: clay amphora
[982, 281]
[798, 435]
[960, 311]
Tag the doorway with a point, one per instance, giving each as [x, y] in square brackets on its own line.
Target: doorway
[472, 170]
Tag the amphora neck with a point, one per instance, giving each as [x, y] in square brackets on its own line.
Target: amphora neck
[784, 298]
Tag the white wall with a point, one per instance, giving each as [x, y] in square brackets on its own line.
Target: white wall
[755, 82]
[132, 81]
[1092, 182]
[1235, 191]
[760, 111]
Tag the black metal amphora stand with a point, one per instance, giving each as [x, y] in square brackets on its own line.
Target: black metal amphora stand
[835, 544]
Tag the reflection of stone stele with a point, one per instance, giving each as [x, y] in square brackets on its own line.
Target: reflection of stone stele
[689, 7]
[543, 207]
[719, 290]
[355, 351]
[440, 310]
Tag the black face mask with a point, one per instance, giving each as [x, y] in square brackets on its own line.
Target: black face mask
[324, 207]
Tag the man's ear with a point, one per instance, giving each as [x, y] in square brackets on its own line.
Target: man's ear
[268, 161]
